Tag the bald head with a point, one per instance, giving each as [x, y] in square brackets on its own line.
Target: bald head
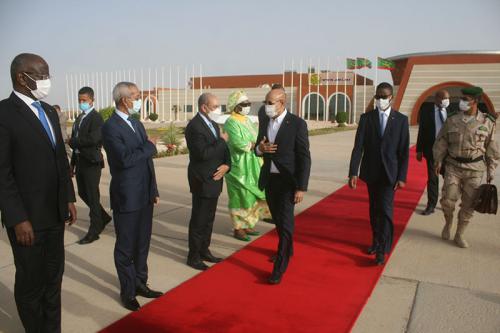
[277, 98]
[25, 70]
[441, 95]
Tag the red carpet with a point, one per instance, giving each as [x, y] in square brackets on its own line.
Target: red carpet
[328, 281]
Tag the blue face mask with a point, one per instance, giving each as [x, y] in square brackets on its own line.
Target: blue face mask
[137, 105]
[84, 106]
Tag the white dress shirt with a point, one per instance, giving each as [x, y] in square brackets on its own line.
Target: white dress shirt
[272, 130]
[125, 116]
[437, 119]
[385, 116]
[28, 101]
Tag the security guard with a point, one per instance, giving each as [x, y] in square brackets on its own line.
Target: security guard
[466, 146]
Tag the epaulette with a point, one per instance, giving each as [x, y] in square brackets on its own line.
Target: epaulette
[490, 117]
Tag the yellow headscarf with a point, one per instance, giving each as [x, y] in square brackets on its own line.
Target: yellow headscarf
[235, 98]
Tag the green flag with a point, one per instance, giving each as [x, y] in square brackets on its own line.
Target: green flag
[385, 64]
[363, 62]
[350, 63]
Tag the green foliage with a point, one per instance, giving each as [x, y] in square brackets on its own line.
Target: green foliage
[341, 117]
[106, 112]
[170, 137]
[153, 116]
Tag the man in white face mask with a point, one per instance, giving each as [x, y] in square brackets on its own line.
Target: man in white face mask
[36, 193]
[209, 161]
[382, 148]
[431, 121]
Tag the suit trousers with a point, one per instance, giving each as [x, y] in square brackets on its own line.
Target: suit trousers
[381, 198]
[133, 237]
[39, 272]
[280, 194]
[432, 183]
[88, 176]
[200, 226]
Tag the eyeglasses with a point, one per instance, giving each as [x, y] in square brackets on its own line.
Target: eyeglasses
[244, 104]
[36, 76]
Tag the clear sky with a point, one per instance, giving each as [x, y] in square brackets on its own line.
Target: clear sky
[233, 37]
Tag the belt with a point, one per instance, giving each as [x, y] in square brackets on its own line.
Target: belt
[467, 160]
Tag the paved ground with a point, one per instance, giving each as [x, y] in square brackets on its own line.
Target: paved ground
[428, 286]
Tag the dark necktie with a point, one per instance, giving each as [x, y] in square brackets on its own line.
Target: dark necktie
[136, 129]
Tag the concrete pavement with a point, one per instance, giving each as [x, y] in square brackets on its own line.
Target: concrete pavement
[428, 285]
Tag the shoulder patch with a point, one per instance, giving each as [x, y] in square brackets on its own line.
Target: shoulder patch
[490, 117]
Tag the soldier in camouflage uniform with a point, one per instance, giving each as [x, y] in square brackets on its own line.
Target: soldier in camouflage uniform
[466, 146]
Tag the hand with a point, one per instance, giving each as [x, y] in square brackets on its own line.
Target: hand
[221, 171]
[353, 182]
[153, 141]
[224, 135]
[24, 233]
[299, 196]
[72, 213]
[266, 147]
[437, 169]
[399, 184]
[419, 156]
[156, 200]
[489, 178]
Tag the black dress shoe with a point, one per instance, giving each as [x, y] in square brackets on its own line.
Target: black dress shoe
[131, 304]
[275, 278]
[371, 250]
[428, 210]
[268, 220]
[210, 258]
[144, 291]
[199, 265]
[379, 259]
[88, 239]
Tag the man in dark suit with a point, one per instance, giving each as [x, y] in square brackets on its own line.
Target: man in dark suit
[133, 192]
[36, 193]
[209, 161]
[87, 162]
[284, 143]
[431, 120]
[382, 148]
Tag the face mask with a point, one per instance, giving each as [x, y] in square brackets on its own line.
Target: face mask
[136, 106]
[84, 106]
[383, 104]
[245, 110]
[215, 114]
[42, 88]
[464, 105]
[445, 103]
[271, 111]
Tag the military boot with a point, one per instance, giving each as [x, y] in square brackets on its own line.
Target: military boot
[446, 233]
[459, 236]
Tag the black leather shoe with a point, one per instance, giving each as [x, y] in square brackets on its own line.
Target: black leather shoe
[88, 239]
[210, 258]
[275, 278]
[379, 259]
[428, 211]
[131, 304]
[144, 291]
[107, 220]
[268, 220]
[371, 250]
[199, 265]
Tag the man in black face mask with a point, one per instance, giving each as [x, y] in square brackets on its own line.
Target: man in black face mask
[382, 148]
[36, 193]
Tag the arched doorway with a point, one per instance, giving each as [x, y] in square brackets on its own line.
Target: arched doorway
[453, 87]
[313, 106]
[338, 102]
[149, 106]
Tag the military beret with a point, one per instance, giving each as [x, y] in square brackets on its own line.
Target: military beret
[472, 91]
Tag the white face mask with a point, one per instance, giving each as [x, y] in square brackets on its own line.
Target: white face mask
[464, 105]
[271, 111]
[245, 110]
[42, 88]
[215, 114]
[383, 104]
[445, 103]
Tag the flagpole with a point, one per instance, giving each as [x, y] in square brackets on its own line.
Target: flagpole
[376, 77]
[355, 91]
[170, 92]
[337, 87]
[177, 118]
[291, 91]
[327, 111]
[317, 89]
[192, 92]
[283, 75]
[185, 92]
[309, 90]
[300, 111]
[364, 89]
[162, 94]
[345, 87]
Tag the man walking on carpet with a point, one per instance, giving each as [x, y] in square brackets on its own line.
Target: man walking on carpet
[381, 147]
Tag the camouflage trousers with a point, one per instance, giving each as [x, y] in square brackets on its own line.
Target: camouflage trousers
[460, 183]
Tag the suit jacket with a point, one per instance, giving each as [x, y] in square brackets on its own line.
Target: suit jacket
[133, 179]
[377, 154]
[426, 130]
[89, 139]
[34, 176]
[206, 154]
[292, 158]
